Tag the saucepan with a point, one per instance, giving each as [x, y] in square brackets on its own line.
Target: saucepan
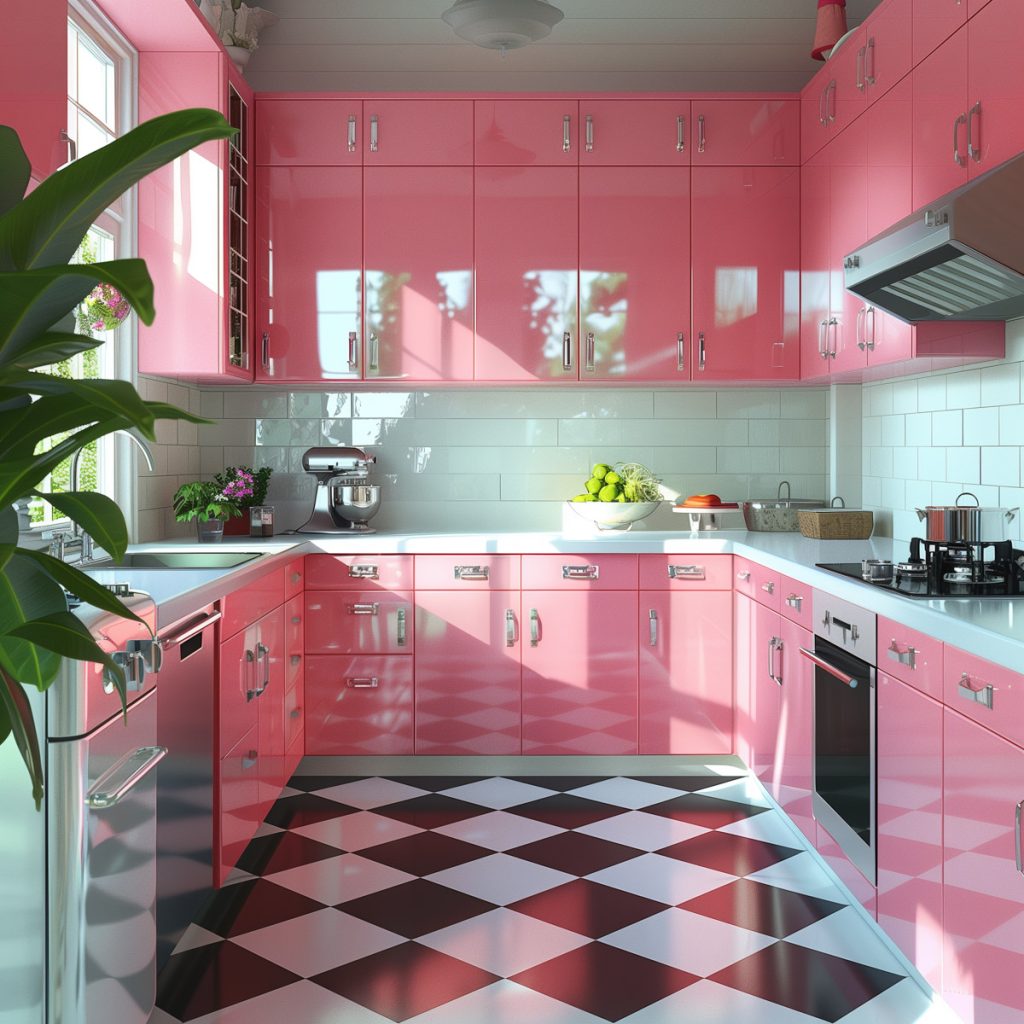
[966, 524]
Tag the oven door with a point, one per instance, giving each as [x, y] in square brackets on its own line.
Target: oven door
[844, 751]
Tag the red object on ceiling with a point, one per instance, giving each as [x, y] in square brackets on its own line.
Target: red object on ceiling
[831, 27]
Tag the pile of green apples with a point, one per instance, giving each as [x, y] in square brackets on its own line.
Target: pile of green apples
[604, 485]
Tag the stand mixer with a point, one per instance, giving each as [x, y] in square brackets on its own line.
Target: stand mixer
[345, 501]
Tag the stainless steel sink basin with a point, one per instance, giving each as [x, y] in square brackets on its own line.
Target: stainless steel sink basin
[179, 560]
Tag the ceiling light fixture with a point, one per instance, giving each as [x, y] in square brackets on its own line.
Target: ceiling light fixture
[502, 24]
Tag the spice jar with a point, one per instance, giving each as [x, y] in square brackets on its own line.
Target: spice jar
[261, 521]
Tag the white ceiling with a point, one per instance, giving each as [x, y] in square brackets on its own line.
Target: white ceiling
[623, 45]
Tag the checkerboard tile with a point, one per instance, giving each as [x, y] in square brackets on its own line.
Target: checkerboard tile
[549, 899]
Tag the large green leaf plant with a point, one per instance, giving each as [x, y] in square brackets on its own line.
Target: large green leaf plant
[39, 291]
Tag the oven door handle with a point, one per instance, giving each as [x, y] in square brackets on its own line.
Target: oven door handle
[850, 681]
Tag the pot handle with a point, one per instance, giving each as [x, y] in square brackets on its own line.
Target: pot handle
[1011, 514]
[968, 494]
[922, 515]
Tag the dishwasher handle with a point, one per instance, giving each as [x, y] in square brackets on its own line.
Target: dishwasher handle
[192, 629]
[121, 778]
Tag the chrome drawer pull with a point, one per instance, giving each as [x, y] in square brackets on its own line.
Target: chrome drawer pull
[364, 609]
[973, 151]
[263, 651]
[566, 133]
[566, 351]
[374, 352]
[581, 572]
[364, 572]
[653, 618]
[590, 133]
[510, 628]
[743, 576]
[250, 659]
[680, 351]
[981, 693]
[374, 133]
[768, 588]
[1020, 857]
[775, 644]
[472, 572]
[353, 350]
[686, 572]
[351, 133]
[680, 134]
[401, 627]
[120, 779]
[364, 683]
[794, 601]
[591, 353]
[700, 133]
[534, 627]
[907, 657]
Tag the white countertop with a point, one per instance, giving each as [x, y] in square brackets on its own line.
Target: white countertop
[990, 628]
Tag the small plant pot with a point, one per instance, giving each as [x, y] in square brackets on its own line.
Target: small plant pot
[237, 526]
[210, 531]
[239, 56]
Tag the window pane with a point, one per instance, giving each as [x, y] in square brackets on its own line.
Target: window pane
[91, 136]
[95, 91]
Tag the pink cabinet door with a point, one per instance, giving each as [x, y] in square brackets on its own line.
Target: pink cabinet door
[934, 21]
[252, 601]
[940, 120]
[814, 130]
[766, 683]
[418, 256]
[636, 131]
[467, 672]
[991, 694]
[686, 572]
[467, 572]
[909, 821]
[238, 802]
[634, 273]
[983, 892]
[890, 158]
[580, 572]
[359, 705]
[746, 273]
[743, 660]
[973, 6]
[271, 661]
[359, 572]
[796, 725]
[309, 280]
[849, 94]
[914, 657]
[294, 641]
[34, 83]
[294, 575]
[887, 48]
[685, 672]
[237, 680]
[995, 85]
[353, 621]
[815, 279]
[310, 131]
[419, 133]
[746, 132]
[579, 672]
[526, 132]
[527, 255]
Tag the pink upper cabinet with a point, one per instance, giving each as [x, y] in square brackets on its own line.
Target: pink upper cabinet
[849, 94]
[527, 258]
[890, 190]
[887, 48]
[746, 132]
[995, 85]
[418, 254]
[815, 300]
[527, 132]
[34, 83]
[418, 133]
[746, 273]
[639, 132]
[309, 131]
[973, 6]
[814, 125]
[983, 891]
[634, 273]
[309, 280]
[934, 21]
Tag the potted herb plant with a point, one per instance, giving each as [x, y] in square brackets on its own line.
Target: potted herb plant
[246, 487]
[206, 503]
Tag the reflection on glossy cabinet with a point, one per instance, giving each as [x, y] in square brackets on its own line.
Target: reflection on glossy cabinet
[766, 684]
[467, 672]
[910, 823]
[686, 688]
[309, 281]
[527, 258]
[353, 622]
[795, 778]
[635, 132]
[238, 802]
[634, 273]
[579, 672]
[983, 891]
[815, 276]
[746, 132]
[419, 133]
[746, 273]
[309, 131]
[519, 132]
[418, 255]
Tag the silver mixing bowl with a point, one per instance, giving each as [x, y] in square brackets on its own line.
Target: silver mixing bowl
[358, 503]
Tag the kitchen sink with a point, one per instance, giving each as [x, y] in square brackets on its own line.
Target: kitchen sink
[178, 560]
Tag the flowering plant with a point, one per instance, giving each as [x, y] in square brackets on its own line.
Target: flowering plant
[103, 309]
[244, 485]
[203, 500]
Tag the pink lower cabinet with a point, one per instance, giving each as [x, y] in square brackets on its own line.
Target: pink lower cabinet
[467, 672]
[764, 698]
[983, 890]
[270, 663]
[361, 704]
[579, 671]
[685, 672]
[795, 777]
[909, 823]
[358, 621]
[238, 802]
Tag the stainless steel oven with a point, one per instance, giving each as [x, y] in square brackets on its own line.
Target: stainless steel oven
[844, 798]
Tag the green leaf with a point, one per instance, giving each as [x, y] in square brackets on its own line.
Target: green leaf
[18, 715]
[48, 225]
[27, 593]
[15, 169]
[95, 513]
[51, 347]
[8, 533]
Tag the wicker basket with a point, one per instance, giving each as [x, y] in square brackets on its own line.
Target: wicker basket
[836, 524]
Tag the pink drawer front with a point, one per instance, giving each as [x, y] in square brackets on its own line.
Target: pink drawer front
[579, 572]
[359, 572]
[796, 602]
[294, 577]
[353, 622]
[686, 572]
[467, 572]
[754, 580]
[251, 602]
[990, 694]
[294, 640]
[911, 656]
[360, 705]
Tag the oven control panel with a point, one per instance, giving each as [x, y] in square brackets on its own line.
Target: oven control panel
[846, 625]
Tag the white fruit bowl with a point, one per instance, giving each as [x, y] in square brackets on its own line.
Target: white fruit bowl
[613, 515]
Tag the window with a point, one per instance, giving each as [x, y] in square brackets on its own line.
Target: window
[101, 106]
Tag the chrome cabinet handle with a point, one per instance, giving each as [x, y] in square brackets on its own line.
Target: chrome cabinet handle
[265, 351]
[472, 572]
[794, 601]
[701, 352]
[980, 693]
[957, 158]
[974, 152]
[686, 572]
[836, 673]
[701, 139]
[351, 133]
[401, 637]
[510, 628]
[353, 350]
[774, 644]
[72, 145]
[743, 576]
[907, 657]
[652, 619]
[591, 353]
[590, 133]
[374, 352]
[860, 68]
[364, 609]
[680, 351]
[1019, 843]
[534, 627]
[822, 116]
[251, 658]
[364, 572]
[362, 683]
[566, 133]
[194, 629]
[121, 778]
[581, 572]
[374, 133]
[833, 350]
[263, 651]
[768, 588]
[566, 351]
[858, 330]
[830, 112]
[869, 76]
[822, 349]
[680, 134]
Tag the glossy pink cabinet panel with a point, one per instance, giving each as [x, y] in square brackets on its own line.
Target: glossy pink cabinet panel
[795, 779]
[746, 132]
[814, 133]
[359, 705]
[419, 133]
[849, 95]
[983, 893]
[634, 273]
[527, 132]
[527, 260]
[635, 131]
[815, 276]
[270, 665]
[833, 855]
[294, 640]
[252, 601]
[887, 48]
[796, 601]
[934, 21]
[746, 273]
[350, 622]
[580, 572]
[765, 673]
[743, 660]
[309, 131]
[467, 672]
[418, 260]
[237, 712]
[990, 694]
[910, 823]
[309, 281]
[764, 585]
[686, 572]
[579, 672]
[890, 158]
[686, 697]
[907, 654]
[973, 6]
[467, 572]
[359, 572]
[238, 801]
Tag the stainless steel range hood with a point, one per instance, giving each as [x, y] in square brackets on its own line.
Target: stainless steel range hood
[961, 258]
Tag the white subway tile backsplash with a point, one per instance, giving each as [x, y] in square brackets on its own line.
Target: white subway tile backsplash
[689, 405]
[395, 404]
[904, 396]
[919, 429]
[749, 404]
[948, 427]
[1000, 466]
[1000, 384]
[931, 393]
[246, 404]
[804, 403]
[306, 405]
[893, 430]
[963, 389]
[931, 464]
[211, 404]
[337, 403]
[280, 432]
[981, 426]
[964, 464]
[1011, 424]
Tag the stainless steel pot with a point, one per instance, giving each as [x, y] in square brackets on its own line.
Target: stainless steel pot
[776, 515]
[965, 524]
